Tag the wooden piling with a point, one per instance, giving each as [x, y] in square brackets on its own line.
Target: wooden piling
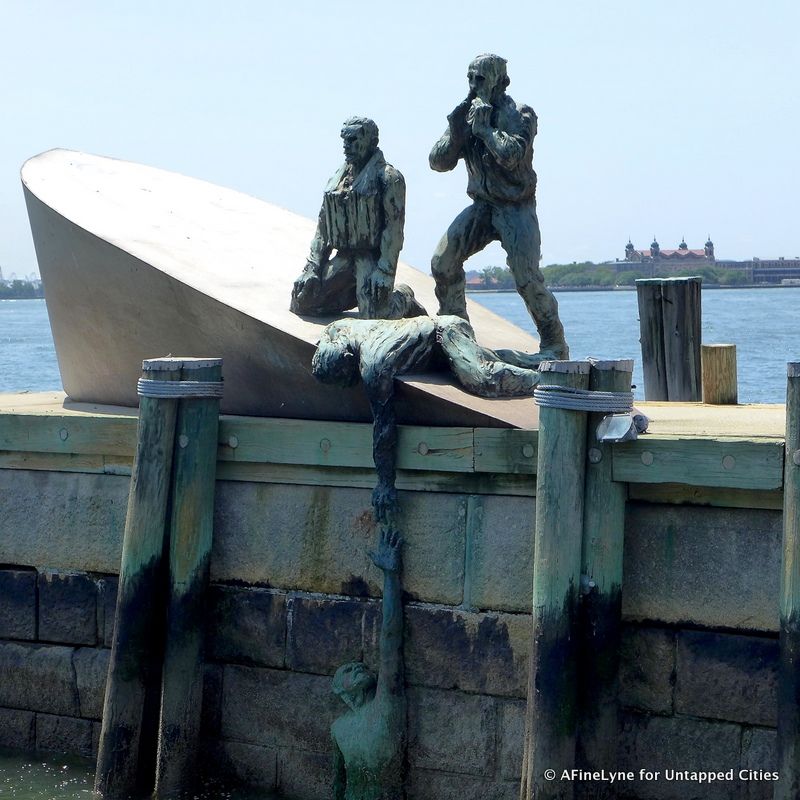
[680, 302]
[719, 374]
[128, 735]
[788, 785]
[190, 536]
[601, 593]
[551, 717]
[670, 327]
[648, 295]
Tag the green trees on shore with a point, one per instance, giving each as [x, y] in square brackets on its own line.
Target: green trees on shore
[20, 290]
[590, 275]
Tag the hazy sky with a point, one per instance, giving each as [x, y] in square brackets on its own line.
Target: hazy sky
[672, 119]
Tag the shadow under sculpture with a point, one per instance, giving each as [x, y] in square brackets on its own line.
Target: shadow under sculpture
[376, 351]
[369, 739]
[362, 218]
[494, 136]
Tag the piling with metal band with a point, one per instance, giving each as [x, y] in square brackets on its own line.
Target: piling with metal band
[719, 374]
[788, 785]
[601, 592]
[190, 536]
[670, 328]
[551, 716]
[128, 735]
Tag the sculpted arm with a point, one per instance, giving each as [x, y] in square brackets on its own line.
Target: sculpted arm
[378, 377]
[508, 147]
[320, 245]
[394, 216]
[307, 286]
[388, 558]
[446, 152]
[394, 347]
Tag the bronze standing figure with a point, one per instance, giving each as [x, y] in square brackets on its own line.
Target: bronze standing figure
[494, 135]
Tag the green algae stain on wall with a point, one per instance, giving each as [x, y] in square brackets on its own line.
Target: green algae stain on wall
[316, 536]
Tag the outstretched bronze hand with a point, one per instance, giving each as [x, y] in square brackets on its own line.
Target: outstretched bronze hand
[388, 555]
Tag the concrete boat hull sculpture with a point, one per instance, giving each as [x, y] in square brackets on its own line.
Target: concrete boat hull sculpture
[138, 262]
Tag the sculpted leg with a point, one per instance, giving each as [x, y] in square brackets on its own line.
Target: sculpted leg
[478, 369]
[469, 233]
[333, 293]
[373, 290]
[518, 229]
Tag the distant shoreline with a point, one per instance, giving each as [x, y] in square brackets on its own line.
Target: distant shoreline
[633, 288]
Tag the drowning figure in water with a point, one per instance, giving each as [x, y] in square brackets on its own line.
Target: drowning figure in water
[369, 739]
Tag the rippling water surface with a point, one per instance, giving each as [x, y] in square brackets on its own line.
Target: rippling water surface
[29, 778]
[762, 323]
[55, 777]
[27, 354]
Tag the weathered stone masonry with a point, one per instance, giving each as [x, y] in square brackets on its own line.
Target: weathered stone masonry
[698, 662]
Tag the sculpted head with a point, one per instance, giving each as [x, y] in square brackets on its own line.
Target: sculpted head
[336, 360]
[354, 684]
[487, 77]
[360, 137]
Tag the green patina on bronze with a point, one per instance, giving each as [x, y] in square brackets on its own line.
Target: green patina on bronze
[494, 136]
[369, 740]
[359, 235]
[377, 351]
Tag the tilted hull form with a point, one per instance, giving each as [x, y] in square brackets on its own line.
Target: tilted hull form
[139, 262]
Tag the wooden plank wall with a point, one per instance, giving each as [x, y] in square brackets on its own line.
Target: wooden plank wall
[703, 469]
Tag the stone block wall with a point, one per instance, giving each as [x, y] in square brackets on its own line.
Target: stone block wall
[698, 700]
[54, 633]
[276, 652]
[294, 595]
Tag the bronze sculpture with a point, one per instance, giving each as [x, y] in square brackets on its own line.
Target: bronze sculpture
[376, 351]
[362, 217]
[494, 136]
[369, 739]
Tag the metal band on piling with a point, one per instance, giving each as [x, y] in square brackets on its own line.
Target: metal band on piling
[176, 389]
[548, 396]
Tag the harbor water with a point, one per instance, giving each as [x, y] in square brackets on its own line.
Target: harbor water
[762, 323]
[59, 777]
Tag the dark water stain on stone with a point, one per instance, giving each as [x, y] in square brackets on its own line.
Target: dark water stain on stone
[355, 586]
